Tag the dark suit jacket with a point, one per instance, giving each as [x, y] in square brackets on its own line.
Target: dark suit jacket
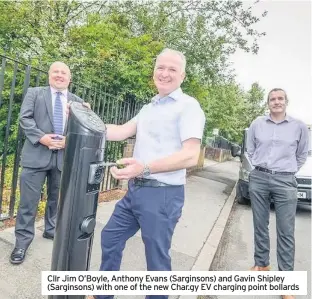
[36, 119]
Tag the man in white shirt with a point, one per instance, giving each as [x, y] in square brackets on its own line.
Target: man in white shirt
[168, 132]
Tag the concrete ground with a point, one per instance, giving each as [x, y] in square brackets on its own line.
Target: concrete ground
[196, 238]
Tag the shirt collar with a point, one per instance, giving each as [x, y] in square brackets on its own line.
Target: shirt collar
[287, 118]
[63, 92]
[175, 95]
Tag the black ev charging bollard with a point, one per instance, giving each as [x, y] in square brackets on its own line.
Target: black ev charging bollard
[81, 177]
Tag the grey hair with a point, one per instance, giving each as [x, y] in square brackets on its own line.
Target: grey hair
[178, 53]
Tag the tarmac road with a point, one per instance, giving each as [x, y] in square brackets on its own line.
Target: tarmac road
[235, 251]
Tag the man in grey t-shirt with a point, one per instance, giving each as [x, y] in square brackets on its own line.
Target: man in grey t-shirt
[168, 137]
[277, 145]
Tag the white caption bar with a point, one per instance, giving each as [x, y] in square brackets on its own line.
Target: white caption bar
[174, 283]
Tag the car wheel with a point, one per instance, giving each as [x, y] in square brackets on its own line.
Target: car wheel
[239, 197]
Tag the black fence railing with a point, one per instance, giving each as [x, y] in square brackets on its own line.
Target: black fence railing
[15, 78]
[219, 142]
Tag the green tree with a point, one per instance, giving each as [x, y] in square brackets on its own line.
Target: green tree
[225, 103]
[105, 51]
[39, 28]
[254, 105]
[206, 31]
[231, 109]
[114, 44]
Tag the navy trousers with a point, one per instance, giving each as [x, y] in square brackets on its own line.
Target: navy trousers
[156, 212]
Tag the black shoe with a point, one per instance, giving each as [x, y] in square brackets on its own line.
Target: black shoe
[17, 255]
[48, 236]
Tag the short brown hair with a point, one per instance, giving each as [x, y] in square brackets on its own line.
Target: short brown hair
[277, 89]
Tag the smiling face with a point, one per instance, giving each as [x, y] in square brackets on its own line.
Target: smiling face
[168, 73]
[277, 102]
[59, 76]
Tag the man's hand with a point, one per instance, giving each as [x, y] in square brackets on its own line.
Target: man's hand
[86, 105]
[132, 169]
[53, 141]
[58, 143]
[48, 139]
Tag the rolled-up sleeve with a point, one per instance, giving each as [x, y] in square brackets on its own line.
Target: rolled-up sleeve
[192, 122]
[137, 116]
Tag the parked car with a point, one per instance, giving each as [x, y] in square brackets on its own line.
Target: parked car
[303, 176]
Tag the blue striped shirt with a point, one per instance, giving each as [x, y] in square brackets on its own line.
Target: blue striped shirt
[64, 102]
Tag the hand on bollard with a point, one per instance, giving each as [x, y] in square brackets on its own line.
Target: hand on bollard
[127, 168]
[86, 105]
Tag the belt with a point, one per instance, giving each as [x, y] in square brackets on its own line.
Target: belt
[55, 151]
[149, 183]
[273, 171]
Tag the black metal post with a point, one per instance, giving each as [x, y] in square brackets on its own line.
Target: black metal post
[81, 178]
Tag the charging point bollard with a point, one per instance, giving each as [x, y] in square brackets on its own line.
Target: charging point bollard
[82, 175]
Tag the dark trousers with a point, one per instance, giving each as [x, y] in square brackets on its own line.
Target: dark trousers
[31, 183]
[156, 212]
[283, 190]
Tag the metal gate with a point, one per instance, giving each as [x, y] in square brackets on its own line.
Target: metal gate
[15, 78]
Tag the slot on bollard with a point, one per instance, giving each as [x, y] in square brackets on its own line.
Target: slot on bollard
[82, 174]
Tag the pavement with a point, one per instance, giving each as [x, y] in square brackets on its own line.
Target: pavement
[209, 199]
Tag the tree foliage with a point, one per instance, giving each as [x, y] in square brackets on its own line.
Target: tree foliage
[231, 109]
[114, 44]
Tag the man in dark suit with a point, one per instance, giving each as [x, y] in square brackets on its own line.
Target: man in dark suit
[43, 118]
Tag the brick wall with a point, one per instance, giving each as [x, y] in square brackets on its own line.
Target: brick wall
[200, 163]
[128, 150]
[218, 154]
